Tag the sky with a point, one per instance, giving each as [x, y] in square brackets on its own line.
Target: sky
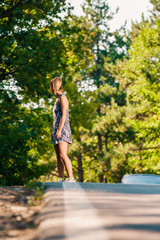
[130, 10]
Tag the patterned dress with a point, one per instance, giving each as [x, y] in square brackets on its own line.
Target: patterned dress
[66, 130]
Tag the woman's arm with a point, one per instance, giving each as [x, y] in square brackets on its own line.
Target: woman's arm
[64, 107]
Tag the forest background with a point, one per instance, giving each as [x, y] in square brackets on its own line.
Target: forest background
[112, 81]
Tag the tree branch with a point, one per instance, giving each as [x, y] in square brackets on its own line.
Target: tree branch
[137, 149]
[6, 13]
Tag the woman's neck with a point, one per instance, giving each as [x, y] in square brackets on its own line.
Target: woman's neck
[59, 93]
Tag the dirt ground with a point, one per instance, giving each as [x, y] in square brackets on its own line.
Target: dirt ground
[18, 211]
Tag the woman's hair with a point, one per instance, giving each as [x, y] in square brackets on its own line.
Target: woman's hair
[56, 85]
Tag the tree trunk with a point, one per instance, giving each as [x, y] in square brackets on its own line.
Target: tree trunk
[106, 142]
[99, 136]
[98, 83]
[80, 168]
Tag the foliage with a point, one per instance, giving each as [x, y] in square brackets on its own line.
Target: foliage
[30, 49]
[142, 93]
[124, 132]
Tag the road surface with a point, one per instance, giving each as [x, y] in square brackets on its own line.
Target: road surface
[99, 211]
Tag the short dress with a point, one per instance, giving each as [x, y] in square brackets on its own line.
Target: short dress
[66, 130]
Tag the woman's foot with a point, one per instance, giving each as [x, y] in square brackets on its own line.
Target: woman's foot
[60, 179]
[71, 180]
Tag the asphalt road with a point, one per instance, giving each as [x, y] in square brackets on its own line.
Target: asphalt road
[99, 211]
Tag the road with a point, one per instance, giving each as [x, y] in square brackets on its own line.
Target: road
[99, 211]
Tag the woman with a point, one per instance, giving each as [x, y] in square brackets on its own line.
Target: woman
[61, 135]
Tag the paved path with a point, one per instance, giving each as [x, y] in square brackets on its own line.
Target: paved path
[92, 211]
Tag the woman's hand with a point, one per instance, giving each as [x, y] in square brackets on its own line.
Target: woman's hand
[58, 134]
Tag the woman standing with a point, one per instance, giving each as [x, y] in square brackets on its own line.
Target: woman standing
[61, 135]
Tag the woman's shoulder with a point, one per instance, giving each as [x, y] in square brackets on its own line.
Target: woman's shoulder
[63, 98]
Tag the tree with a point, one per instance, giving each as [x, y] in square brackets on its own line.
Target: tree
[30, 50]
[106, 48]
[139, 77]
[117, 121]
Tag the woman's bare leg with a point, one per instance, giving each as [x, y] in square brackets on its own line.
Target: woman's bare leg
[60, 163]
[63, 146]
